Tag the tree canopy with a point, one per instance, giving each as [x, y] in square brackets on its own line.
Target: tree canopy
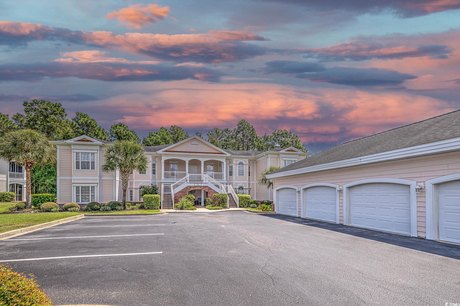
[120, 131]
[86, 125]
[164, 136]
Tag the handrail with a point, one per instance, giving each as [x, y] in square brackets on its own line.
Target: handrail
[234, 195]
[209, 179]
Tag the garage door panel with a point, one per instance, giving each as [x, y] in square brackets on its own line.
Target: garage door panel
[287, 201]
[320, 203]
[449, 211]
[381, 206]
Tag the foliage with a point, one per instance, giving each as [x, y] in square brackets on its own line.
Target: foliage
[93, 206]
[7, 196]
[46, 117]
[265, 207]
[17, 207]
[244, 200]
[219, 199]
[105, 207]
[253, 205]
[49, 207]
[71, 207]
[27, 148]
[148, 189]
[17, 289]
[6, 124]
[44, 178]
[210, 207]
[190, 197]
[264, 180]
[86, 125]
[222, 138]
[246, 137]
[115, 205]
[151, 201]
[126, 156]
[165, 136]
[40, 198]
[282, 138]
[121, 132]
[185, 204]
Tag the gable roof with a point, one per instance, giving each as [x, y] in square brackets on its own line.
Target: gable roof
[170, 148]
[439, 128]
[82, 139]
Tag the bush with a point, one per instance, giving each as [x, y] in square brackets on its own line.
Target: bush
[219, 199]
[93, 206]
[105, 207]
[266, 202]
[49, 207]
[210, 207]
[253, 205]
[7, 196]
[265, 207]
[208, 202]
[115, 205]
[40, 198]
[245, 200]
[148, 189]
[71, 207]
[16, 289]
[185, 204]
[190, 197]
[151, 201]
[18, 207]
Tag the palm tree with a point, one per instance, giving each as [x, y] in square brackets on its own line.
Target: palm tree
[27, 148]
[125, 156]
[264, 180]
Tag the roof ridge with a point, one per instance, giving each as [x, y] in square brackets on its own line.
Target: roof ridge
[400, 127]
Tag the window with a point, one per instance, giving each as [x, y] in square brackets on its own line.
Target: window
[173, 167]
[85, 160]
[131, 195]
[209, 168]
[249, 170]
[240, 168]
[154, 168]
[143, 171]
[287, 162]
[241, 190]
[230, 170]
[85, 193]
[18, 189]
[15, 168]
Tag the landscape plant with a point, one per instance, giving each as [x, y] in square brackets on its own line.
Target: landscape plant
[151, 201]
[71, 207]
[93, 206]
[244, 200]
[7, 196]
[40, 198]
[49, 207]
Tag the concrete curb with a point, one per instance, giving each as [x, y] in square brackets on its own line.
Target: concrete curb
[200, 211]
[33, 228]
[122, 215]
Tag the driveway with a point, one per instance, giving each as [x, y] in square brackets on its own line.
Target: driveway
[232, 258]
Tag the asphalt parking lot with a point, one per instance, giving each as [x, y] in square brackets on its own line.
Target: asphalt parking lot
[232, 258]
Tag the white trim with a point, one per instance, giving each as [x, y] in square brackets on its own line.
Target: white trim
[275, 198]
[432, 206]
[413, 198]
[335, 186]
[76, 141]
[426, 149]
[96, 192]
[188, 139]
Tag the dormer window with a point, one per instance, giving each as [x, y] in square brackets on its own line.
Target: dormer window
[85, 160]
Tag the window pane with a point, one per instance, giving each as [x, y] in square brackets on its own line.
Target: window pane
[93, 193]
[240, 169]
[230, 170]
[77, 160]
[154, 168]
[77, 194]
[85, 194]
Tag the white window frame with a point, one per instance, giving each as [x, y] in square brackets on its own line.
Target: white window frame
[13, 167]
[93, 194]
[241, 170]
[287, 162]
[154, 168]
[78, 164]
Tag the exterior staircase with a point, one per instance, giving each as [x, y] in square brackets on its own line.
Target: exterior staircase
[231, 201]
[167, 198]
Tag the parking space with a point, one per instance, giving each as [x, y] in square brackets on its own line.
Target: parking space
[227, 258]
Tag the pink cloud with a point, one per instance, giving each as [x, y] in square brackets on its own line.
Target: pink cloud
[432, 6]
[95, 56]
[136, 16]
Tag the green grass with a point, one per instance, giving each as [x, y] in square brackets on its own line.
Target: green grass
[214, 207]
[9, 222]
[258, 210]
[124, 212]
[4, 207]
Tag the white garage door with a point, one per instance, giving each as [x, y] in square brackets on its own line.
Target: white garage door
[287, 201]
[381, 206]
[449, 211]
[320, 203]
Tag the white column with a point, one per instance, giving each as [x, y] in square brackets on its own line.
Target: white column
[186, 167]
[162, 168]
[224, 170]
[202, 166]
[202, 197]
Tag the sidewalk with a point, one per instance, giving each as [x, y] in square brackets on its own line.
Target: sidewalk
[199, 210]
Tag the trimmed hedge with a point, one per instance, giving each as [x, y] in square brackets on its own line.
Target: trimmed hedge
[49, 207]
[265, 207]
[185, 204]
[18, 207]
[115, 205]
[93, 206]
[219, 199]
[245, 200]
[210, 207]
[40, 198]
[71, 207]
[151, 201]
[7, 196]
[17, 289]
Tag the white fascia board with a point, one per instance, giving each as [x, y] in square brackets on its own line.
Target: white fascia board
[426, 149]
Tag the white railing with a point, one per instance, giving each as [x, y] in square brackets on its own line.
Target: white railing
[232, 192]
[216, 175]
[210, 180]
[174, 175]
[16, 175]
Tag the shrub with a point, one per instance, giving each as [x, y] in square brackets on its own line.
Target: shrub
[71, 207]
[265, 207]
[16, 289]
[190, 197]
[208, 202]
[17, 207]
[40, 198]
[148, 189]
[151, 201]
[210, 207]
[115, 205]
[267, 202]
[219, 199]
[7, 196]
[253, 205]
[245, 200]
[105, 207]
[185, 204]
[93, 206]
[49, 207]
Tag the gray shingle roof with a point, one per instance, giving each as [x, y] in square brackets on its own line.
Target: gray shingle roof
[155, 148]
[434, 129]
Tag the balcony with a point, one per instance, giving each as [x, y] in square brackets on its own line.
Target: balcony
[16, 175]
[174, 176]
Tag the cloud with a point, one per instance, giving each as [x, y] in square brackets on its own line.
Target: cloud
[95, 56]
[404, 8]
[292, 67]
[136, 16]
[361, 51]
[211, 47]
[105, 72]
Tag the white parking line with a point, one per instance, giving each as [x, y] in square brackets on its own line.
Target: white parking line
[134, 225]
[80, 256]
[86, 237]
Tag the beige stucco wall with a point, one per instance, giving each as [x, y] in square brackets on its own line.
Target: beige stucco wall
[418, 169]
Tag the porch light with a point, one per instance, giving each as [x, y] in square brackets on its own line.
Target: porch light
[420, 187]
[339, 188]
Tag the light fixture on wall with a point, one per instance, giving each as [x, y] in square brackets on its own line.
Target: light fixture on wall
[339, 188]
[419, 187]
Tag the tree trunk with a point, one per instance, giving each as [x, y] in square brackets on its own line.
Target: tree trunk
[124, 188]
[28, 186]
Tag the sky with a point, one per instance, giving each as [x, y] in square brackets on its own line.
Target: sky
[328, 70]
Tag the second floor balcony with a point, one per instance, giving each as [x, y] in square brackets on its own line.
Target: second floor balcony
[175, 169]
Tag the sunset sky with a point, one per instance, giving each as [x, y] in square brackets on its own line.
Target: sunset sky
[329, 70]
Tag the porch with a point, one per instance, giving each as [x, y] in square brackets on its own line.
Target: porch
[175, 169]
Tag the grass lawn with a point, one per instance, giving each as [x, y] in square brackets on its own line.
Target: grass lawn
[4, 207]
[258, 210]
[124, 212]
[9, 222]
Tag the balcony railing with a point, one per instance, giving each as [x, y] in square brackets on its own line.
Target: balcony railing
[16, 175]
[174, 175]
[177, 175]
[216, 175]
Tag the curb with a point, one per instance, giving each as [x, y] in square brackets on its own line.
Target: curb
[33, 228]
[122, 215]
